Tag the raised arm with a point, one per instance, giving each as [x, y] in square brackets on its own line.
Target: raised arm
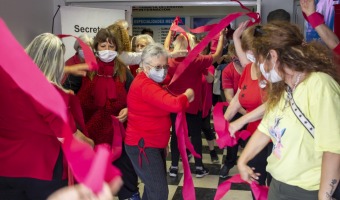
[237, 42]
[219, 48]
[326, 34]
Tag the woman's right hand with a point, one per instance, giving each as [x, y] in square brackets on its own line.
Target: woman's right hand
[238, 32]
[247, 173]
[190, 94]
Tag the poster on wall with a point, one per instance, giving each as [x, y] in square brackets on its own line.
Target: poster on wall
[326, 8]
[80, 20]
[159, 25]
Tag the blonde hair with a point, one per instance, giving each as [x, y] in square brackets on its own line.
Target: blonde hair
[288, 41]
[122, 35]
[47, 51]
[181, 42]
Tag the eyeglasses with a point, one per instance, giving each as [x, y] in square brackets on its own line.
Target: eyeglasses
[258, 31]
[159, 67]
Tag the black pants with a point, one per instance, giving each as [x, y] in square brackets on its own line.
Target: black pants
[194, 130]
[30, 188]
[152, 171]
[206, 127]
[130, 178]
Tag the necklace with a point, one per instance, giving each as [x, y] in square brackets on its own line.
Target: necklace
[293, 89]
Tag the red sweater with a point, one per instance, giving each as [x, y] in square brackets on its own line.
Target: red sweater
[190, 78]
[28, 134]
[149, 108]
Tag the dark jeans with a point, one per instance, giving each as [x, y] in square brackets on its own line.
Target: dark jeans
[194, 130]
[31, 188]
[130, 178]
[152, 171]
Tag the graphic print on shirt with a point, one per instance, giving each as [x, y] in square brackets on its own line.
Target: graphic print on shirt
[277, 133]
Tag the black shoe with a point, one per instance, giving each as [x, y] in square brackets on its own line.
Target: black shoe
[201, 172]
[173, 171]
[224, 171]
[214, 157]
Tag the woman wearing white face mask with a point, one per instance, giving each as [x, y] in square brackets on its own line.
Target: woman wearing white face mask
[249, 96]
[102, 95]
[73, 82]
[141, 41]
[302, 116]
[147, 133]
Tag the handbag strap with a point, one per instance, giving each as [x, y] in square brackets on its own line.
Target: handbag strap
[298, 113]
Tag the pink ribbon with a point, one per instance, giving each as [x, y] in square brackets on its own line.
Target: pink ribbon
[222, 128]
[84, 162]
[117, 141]
[260, 192]
[90, 59]
[183, 143]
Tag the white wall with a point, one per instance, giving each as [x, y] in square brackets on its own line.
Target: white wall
[27, 18]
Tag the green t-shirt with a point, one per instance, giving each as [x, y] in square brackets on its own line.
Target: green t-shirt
[296, 157]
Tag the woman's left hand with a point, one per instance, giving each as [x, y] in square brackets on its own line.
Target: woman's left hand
[235, 126]
[122, 116]
[247, 173]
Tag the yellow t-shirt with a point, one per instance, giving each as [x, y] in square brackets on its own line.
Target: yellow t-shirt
[296, 157]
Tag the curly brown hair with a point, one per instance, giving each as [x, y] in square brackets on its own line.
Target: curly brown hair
[104, 35]
[288, 41]
[122, 35]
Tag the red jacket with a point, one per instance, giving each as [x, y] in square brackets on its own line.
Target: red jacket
[149, 107]
[28, 134]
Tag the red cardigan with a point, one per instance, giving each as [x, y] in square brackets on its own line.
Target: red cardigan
[29, 146]
[149, 107]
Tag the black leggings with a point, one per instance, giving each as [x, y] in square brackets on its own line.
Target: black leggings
[194, 130]
[31, 188]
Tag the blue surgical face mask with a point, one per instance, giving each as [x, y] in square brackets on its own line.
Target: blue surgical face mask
[157, 75]
[81, 53]
[107, 55]
[272, 75]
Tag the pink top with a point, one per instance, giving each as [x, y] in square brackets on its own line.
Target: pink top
[230, 77]
[189, 78]
[149, 108]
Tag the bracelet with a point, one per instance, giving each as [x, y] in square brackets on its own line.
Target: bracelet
[315, 19]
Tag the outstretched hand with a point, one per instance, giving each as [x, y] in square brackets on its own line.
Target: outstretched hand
[238, 32]
[307, 6]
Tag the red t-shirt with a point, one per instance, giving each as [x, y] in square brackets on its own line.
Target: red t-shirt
[190, 78]
[251, 95]
[230, 77]
[149, 106]
[207, 93]
[133, 70]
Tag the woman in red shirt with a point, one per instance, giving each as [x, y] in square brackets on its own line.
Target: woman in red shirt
[31, 159]
[102, 95]
[250, 96]
[147, 133]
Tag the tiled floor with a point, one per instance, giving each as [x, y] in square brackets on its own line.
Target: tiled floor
[206, 187]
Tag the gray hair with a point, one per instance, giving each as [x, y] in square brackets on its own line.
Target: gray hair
[47, 51]
[148, 38]
[86, 39]
[151, 51]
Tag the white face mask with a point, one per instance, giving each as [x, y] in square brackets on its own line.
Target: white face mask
[157, 75]
[139, 49]
[272, 75]
[81, 53]
[107, 55]
[251, 57]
